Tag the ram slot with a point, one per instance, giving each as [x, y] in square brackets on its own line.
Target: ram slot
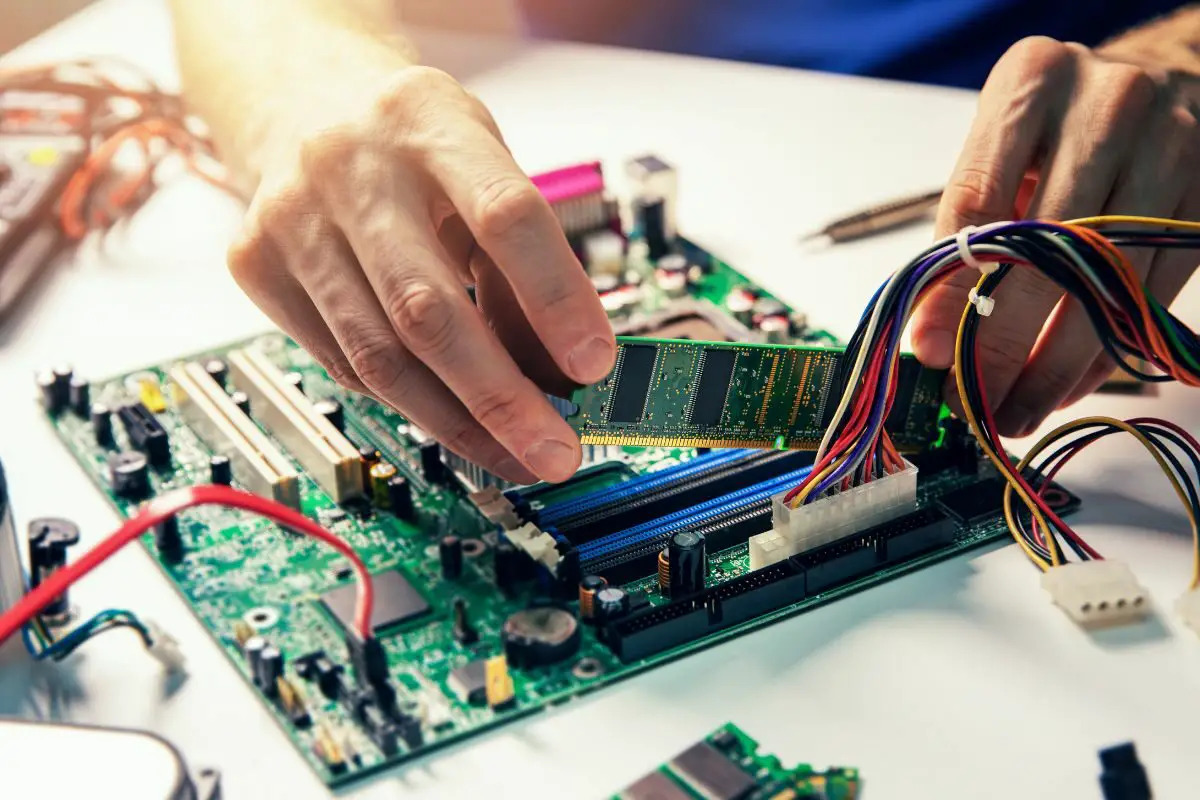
[221, 425]
[283, 410]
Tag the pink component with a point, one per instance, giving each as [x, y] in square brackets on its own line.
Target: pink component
[569, 183]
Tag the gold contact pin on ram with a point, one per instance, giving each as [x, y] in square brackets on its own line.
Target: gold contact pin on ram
[283, 410]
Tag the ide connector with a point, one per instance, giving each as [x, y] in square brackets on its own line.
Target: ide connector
[836, 516]
[1097, 594]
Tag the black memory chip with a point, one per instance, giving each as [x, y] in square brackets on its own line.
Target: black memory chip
[396, 601]
[908, 375]
[715, 376]
[710, 774]
[633, 383]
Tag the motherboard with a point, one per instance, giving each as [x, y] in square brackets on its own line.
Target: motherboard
[496, 601]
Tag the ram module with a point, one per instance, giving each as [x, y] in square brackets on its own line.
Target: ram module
[675, 393]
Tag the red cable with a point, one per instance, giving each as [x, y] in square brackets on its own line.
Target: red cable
[168, 505]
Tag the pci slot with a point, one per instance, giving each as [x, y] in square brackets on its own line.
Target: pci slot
[221, 425]
[283, 410]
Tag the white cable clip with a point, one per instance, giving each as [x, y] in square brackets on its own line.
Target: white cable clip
[983, 304]
[968, 258]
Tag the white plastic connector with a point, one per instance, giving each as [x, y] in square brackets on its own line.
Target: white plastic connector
[961, 240]
[164, 648]
[1097, 594]
[539, 545]
[1188, 608]
[983, 303]
[798, 530]
[495, 507]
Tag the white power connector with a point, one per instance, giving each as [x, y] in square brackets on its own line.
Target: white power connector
[798, 530]
[1097, 594]
[164, 648]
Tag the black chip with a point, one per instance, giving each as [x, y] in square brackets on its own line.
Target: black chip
[469, 682]
[396, 601]
[710, 774]
[633, 383]
[907, 377]
[975, 503]
[832, 390]
[654, 786]
[713, 386]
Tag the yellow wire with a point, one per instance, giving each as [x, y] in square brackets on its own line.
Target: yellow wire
[1155, 222]
[1068, 427]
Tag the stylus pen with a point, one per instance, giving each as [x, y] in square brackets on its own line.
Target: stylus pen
[877, 219]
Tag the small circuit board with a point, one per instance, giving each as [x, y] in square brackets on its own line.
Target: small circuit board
[494, 601]
[726, 765]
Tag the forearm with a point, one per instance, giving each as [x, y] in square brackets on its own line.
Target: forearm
[1168, 44]
[246, 65]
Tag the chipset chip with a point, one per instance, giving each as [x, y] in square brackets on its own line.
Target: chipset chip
[396, 601]
[975, 503]
[710, 774]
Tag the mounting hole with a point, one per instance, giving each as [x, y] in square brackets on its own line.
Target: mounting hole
[587, 668]
[1086, 607]
[1121, 603]
[1055, 497]
[1102, 606]
[1137, 601]
[261, 618]
[473, 547]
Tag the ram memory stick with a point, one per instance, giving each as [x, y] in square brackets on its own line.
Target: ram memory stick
[675, 393]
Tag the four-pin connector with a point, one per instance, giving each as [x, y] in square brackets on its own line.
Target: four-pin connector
[1097, 594]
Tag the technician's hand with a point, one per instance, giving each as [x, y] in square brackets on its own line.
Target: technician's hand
[377, 207]
[1060, 133]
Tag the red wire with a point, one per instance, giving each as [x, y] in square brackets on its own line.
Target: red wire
[167, 506]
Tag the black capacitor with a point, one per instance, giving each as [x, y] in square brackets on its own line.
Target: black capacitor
[48, 393]
[689, 563]
[269, 669]
[218, 370]
[450, 551]
[168, 539]
[62, 383]
[220, 470]
[431, 462]
[79, 395]
[332, 410]
[48, 539]
[129, 474]
[464, 631]
[611, 602]
[253, 650]
[102, 424]
[649, 214]
[588, 586]
[400, 497]
[242, 401]
[295, 379]
[507, 566]
[370, 456]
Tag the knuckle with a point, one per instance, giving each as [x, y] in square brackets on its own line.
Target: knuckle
[375, 360]
[497, 410]
[1035, 56]
[407, 92]
[275, 211]
[973, 194]
[506, 204]
[423, 315]
[244, 259]
[327, 150]
[1129, 86]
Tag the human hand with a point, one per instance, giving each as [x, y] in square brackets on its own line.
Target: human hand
[378, 203]
[1060, 133]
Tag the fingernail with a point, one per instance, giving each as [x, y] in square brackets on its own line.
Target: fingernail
[551, 460]
[592, 360]
[512, 470]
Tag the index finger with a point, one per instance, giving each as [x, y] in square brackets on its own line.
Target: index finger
[515, 225]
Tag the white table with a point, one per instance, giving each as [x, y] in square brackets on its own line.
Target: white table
[961, 681]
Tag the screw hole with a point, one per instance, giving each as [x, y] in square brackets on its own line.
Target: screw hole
[1086, 607]
[1137, 601]
[1121, 603]
[1103, 606]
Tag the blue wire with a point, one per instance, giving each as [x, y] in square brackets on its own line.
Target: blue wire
[84, 632]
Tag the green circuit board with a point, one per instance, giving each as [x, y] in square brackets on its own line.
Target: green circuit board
[727, 764]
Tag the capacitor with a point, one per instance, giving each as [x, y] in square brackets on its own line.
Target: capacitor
[431, 462]
[611, 602]
[269, 670]
[588, 586]
[253, 650]
[450, 551]
[102, 427]
[62, 383]
[777, 329]
[798, 321]
[671, 274]
[400, 497]
[242, 401]
[48, 540]
[295, 379]
[79, 395]
[48, 392]
[649, 215]
[129, 474]
[664, 571]
[506, 566]
[332, 410]
[688, 558]
[381, 472]
[220, 470]
[369, 456]
[168, 540]
[740, 303]
[606, 282]
[464, 631]
[218, 370]
[768, 307]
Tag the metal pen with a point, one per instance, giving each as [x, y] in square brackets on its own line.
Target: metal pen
[878, 219]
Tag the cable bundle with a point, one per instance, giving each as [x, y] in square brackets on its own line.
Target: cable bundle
[123, 109]
[1089, 266]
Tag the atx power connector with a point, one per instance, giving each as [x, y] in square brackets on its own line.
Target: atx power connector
[798, 530]
[1097, 593]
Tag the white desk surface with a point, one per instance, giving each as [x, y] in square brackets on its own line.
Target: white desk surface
[961, 681]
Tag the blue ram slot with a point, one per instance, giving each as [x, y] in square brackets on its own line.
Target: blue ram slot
[689, 517]
[643, 483]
